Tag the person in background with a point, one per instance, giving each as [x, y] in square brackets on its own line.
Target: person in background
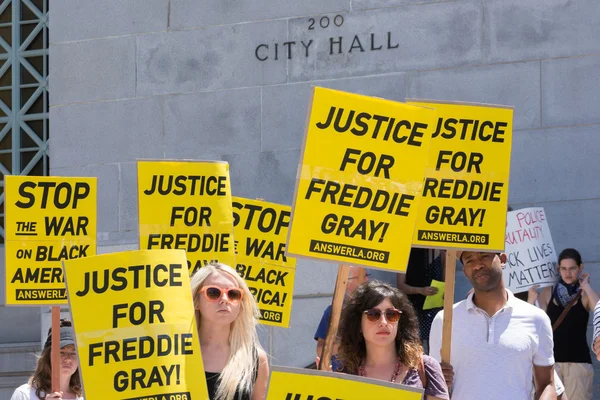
[416, 284]
[498, 341]
[571, 350]
[39, 385]
[226, 317]
[321, 333]
[379, 339]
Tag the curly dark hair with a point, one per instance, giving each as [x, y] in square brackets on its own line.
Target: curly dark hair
[42, 377]
[352, 348]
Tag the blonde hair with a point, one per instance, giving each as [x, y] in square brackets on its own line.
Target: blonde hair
[240, 370]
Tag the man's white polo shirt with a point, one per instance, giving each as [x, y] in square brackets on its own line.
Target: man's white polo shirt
[493, 357]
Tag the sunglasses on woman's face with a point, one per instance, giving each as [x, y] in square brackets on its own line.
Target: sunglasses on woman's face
[214, 293]
[391, 315]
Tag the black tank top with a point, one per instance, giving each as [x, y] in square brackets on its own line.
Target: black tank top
[211, 383]
[570, 340]
[213, 377]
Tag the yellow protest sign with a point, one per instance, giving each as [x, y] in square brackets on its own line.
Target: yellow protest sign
[436, 300]
[134, 326]
[47, 220]
[187, 205]
[359, 180]
[303, 384]
[465, 193]
[260, 231]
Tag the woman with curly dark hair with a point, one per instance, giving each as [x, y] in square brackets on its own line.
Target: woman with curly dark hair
[39, 386]
[379, 339]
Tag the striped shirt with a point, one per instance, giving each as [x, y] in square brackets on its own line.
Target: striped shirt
[596, 322]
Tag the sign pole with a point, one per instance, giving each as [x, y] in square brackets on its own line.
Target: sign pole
[450, 273]
[334, 320]
[362, 275]
[55, 349]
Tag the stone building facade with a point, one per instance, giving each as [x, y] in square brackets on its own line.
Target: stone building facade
[218, 79]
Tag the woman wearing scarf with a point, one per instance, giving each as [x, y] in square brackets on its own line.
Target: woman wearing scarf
[571, 350]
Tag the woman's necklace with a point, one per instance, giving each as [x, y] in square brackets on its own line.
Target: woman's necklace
[362, 372]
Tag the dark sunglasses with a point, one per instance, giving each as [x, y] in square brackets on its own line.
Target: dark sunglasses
[214, 293]
[391, 314]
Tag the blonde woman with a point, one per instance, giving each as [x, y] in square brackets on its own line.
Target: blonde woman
[226, 314]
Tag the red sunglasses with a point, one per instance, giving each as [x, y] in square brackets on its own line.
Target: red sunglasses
[391, 315]
[214, 293]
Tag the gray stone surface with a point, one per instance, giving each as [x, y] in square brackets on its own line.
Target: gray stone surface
[534, 29]
[314, 277]
[369, 4]
[17, 361]
[8, 361]
[15, 319]
[539, 55]
[296, 346]
[118, 238]
[571, 91]
[128, 201]
[106, 132]
[92, 70]
[205, 124]
[107, 194]
[270, 175]
[554, 165]
[70, 21]
[117, 248]
[195, 13]
[516, 85]
[19, 316]
[573, 224]
[206, 59]
[437, 35]
[285, 107]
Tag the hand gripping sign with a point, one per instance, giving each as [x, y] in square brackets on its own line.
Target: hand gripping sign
[134, 325]
[303, 384]
[48, 220]
[465, 193]
[187, 205]
[260, 231]
[359, 180]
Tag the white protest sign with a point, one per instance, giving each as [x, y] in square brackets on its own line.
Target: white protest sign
[532, 258]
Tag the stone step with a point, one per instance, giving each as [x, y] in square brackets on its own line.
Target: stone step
[17, 362]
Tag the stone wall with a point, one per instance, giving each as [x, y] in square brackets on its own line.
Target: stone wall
[189, 79]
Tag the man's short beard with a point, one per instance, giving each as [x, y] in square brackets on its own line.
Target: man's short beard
[492, 283]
